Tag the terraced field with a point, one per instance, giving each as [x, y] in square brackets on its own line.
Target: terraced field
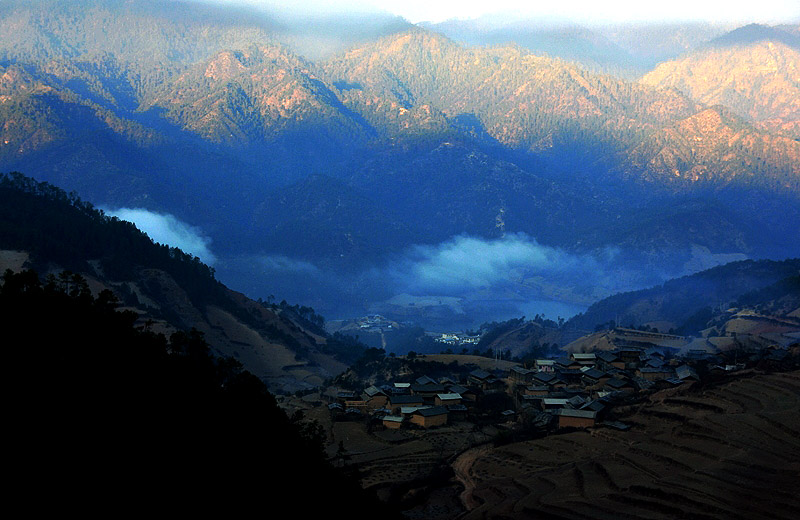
[381, 462]
[728, 452]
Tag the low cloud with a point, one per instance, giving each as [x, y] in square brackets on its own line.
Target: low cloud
[465, 262]
[487, 278]
[517, 265]
[167, 229]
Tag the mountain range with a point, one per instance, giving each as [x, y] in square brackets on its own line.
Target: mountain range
[347, 160]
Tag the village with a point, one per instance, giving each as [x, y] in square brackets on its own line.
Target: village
[399, 420]
[576, 391]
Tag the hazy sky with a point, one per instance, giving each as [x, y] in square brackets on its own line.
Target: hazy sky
[768, 11]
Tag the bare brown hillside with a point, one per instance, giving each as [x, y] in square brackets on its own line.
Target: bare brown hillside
[269, 344]
[724, 452]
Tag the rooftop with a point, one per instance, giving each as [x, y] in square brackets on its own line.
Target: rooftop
[432, 411]
[583, 414]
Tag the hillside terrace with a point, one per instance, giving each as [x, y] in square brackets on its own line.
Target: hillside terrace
[399, 443]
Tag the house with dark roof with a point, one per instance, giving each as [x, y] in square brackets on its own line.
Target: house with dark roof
[508, 415]
[536, 390]
[596, 406]
[429, 390]
[425, 380]
[664, 384]
[374, 397]
[576, 401]
[486, 381]
[521, 375]
[654, 362]
[686, 373]
[393, 422]
[430, 417]
[617, 425]
[584, 359]
[654, 374]
[594, 377]
[565, 363]
[630, 355]
[398, 401]
[571, 376]
[447, 399]
[654, 352]
[467, 394]
[478, 376]
[619, 385]
[609, 360]
[353, 413]
[569, 418]
[343, 396]
[552, 380]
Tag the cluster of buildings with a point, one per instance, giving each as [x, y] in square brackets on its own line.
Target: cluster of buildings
[375, 323]
[574, 391]
[456, 339]
[577, 390]
[425, 402]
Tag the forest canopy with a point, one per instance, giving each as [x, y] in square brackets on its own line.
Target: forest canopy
[145, 418]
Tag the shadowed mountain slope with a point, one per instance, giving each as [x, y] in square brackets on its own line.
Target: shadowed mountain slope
[283, 345]
[677, 300]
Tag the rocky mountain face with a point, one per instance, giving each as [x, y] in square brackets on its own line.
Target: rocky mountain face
[753, 71]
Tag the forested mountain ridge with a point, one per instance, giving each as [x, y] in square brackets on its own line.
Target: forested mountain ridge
[251, 96]
[168, 289]
[681, 300]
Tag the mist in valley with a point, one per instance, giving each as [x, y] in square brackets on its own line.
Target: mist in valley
[457, 284]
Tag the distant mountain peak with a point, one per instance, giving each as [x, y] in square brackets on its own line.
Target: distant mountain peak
[756, 33]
